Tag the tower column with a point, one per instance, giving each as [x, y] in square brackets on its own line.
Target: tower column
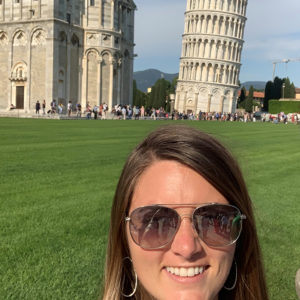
[184, 103]
[99, 78]
[196, 103]
[210, 38]
[222, 103]
[208, 103]
[112, 14]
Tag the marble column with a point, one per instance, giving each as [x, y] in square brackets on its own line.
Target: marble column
[196, 103]
[100, 13]
[68, 75]
[84, 82]
[112, 25]
[27, 87]
[184, 103]
[99, 77]
[111, 84]
[221, 104]
[9, 68]
[208, 103]
[119, 66]
[231, 108]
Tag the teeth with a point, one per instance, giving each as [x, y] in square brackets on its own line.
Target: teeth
[185, 272]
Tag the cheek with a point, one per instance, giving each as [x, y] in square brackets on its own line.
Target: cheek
[147, 266]
[225, 261]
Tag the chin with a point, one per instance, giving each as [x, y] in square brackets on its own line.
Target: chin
[188, 295]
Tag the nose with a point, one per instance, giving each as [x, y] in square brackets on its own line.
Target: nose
[186, 242]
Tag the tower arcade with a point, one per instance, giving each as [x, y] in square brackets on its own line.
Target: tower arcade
[211, 53]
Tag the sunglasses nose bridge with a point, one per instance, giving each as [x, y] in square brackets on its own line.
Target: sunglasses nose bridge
[187, 216]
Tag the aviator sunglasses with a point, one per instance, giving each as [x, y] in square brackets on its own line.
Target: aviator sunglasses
[154, 226]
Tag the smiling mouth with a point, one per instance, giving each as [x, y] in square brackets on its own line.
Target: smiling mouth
[186, 272]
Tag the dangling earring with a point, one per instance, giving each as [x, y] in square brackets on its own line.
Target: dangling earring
[123, 281]
[235, 279]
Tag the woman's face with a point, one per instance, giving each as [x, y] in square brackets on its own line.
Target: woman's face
[169, 182]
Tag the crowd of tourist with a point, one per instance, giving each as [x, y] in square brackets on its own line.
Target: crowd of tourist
[129, 112]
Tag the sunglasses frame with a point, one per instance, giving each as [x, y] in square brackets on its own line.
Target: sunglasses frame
[181, 216]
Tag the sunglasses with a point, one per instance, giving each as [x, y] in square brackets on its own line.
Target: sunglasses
[154, 226]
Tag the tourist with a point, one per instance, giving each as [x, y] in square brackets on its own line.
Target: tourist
[53, 106]
[105, 109]
[142, 112]
[95, 111]
[44, 107]
[200, 115]
[153, 114]
[37, 107]
[69, 108]
[165, 240]
[60, 108]
[136, 113]
[124, 111]
[78, 110]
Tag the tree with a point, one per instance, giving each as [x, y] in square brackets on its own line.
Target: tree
[277, 93]
[289, 89]
[139, 98]
[268, 94]
[173, 85]
[241, 99]
[159, 93]
[249, 100]
[293, 91]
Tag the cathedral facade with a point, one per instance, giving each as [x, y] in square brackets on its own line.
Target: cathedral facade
[66, 50]
[211, 53]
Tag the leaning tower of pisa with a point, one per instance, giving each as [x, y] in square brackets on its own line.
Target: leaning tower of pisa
[211, 53]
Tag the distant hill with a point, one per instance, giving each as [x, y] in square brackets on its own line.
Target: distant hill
[258, 85]
[147, 78]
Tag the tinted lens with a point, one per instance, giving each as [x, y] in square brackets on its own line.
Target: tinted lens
[218, 225]
[152, 227]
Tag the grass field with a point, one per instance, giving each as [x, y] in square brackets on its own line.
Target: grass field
[57, 184]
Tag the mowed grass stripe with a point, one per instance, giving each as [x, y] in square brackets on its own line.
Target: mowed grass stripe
[57, 183]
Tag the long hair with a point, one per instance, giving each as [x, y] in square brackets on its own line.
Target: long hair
[209, 158]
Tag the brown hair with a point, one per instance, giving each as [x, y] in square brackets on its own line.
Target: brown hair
[211, 160]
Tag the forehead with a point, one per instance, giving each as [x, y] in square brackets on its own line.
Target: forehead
[169, 182]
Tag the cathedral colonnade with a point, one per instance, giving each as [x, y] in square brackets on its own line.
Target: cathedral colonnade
[64, 51]
[212, 45]
[102, 77]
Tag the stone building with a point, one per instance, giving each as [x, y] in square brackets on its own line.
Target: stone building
[78, 50]
[211, 53]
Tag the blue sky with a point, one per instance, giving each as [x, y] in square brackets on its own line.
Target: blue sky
[272, 33]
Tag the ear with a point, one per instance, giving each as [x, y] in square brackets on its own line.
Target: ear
[297, 281]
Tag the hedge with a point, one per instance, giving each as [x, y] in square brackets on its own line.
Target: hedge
[287, 107]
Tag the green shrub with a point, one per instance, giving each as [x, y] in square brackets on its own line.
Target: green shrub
[287, 107]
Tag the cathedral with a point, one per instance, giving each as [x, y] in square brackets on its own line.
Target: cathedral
[66, 50]
[211, 53]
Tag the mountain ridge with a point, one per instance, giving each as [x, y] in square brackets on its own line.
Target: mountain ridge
[147, 78]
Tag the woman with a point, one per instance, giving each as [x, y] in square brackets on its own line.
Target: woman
[176, 224]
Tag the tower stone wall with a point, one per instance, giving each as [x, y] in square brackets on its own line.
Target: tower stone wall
[79, 50]
[211, 53]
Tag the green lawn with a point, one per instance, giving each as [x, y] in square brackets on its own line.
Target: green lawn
[57, 184]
